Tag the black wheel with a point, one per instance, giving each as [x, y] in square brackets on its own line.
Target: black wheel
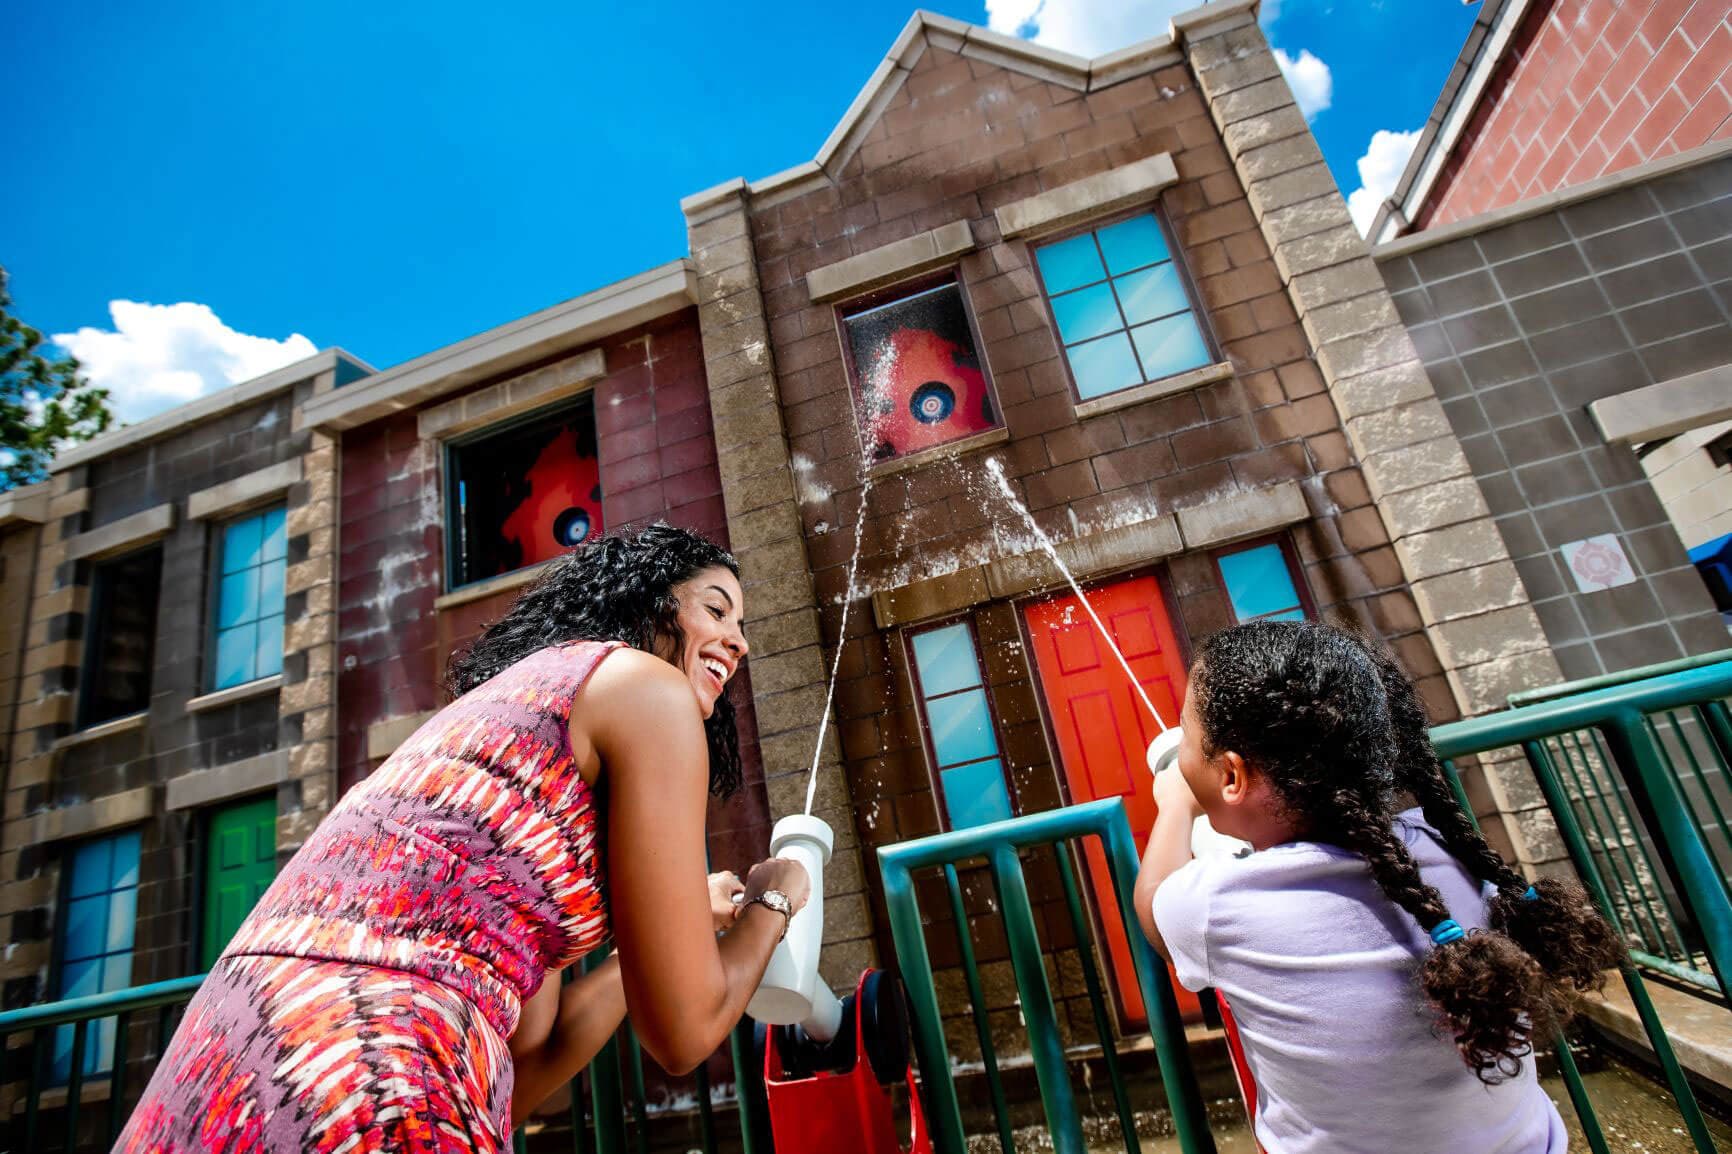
[884, 1020]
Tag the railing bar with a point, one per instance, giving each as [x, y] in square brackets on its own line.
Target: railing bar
[117, 1078]
[1679, 1083]
[749, 1088]
[1720, 730]
[1678, 970]
[1097, 1002]
[1696, 769]
[639, 1107]
[1585, 1113]
[1614, 848]
[519, 1141]
[75, 1081]
[944, 1112]
[977, 1008]
[579, 1130]
[101, 1005]
[706, 1120]
[40, 1040]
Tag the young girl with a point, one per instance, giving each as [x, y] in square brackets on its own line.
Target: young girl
[1356, 944]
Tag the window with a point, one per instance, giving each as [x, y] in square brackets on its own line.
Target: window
[249, 600]
[522, 493]
[117, 657]
[96, 927]
[1261, 582]
[1122, 307]
[957, 714]
[918, 381]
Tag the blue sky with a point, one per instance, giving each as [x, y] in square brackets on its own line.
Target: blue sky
[394, 180]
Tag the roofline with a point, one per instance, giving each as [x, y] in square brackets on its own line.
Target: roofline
[25, 505]
[1487, 43]
[205, 407]
[570, 324]
[1012, 52]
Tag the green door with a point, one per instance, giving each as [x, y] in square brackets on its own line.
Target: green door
[240, 861]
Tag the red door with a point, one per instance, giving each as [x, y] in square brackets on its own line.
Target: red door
[1101, 726]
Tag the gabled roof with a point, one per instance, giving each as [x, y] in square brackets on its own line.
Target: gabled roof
[928, 29]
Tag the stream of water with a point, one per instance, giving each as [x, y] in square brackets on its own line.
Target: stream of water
[841, 640]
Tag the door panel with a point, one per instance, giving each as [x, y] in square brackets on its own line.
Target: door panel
[1102, 728]
[240, 862]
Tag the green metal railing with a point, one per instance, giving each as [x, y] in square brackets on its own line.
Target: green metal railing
[1601, 754]
[999, 844]
[605, 1121]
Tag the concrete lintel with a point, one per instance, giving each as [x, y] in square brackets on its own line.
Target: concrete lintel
[1251, 513]
[1154, 390]
[1106, 192]
[81, 819]
[890, 263]
[220, 783]
[127, 724]
[476, 590]
[244, 491]
[1207, 19]
[514, 397]
[1655, 412]
[120, 536]
[27, 505]
[229, 696]
[383, 737]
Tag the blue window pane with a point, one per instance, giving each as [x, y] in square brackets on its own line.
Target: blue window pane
[234, 656]
[117, 972]
[961, 728]
[91, 864]
[975, 794]
[270, 587]
[241, 544]
[1170, 346]
[269, 659]
[275, 545]
[238, 598]
[99, 1046]
[1069, 264]
[1258, 583]
[124, 870]
[1132, 244]
[122, 917]
[80, 979]
[1151, 293]
[1086, 313]
[1104, 366]
[945, 660]
[86, 927]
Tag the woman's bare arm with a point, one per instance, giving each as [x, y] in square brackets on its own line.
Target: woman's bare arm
[587, 1012]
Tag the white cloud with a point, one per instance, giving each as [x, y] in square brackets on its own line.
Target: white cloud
[1309, 77]
[159, 356]
[1085, 27]
[1379, 169]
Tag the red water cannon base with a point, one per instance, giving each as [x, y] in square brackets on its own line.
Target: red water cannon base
[834, 1097]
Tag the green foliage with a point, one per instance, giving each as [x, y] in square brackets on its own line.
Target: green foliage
[44, 403]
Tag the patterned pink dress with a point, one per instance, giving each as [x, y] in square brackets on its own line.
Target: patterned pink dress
[365, 1003]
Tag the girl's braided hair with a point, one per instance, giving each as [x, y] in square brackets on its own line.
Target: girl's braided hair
[616, 588]
[1337, 729]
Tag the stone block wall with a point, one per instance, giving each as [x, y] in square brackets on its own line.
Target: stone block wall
[1522, 325]
[1588, 88]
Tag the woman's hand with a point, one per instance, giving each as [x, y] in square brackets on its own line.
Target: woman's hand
[780, 873]
[726, 894]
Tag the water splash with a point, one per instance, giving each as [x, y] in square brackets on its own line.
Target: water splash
[841, 641]
[996, 468]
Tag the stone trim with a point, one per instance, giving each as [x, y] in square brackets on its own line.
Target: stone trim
[383, 737]
[1099, 195]
[1656, 412]
[513, 397]
[27, 505]
[121, 536]
[127, 724]
[968, 444]
[307, 694]
[221, 697]
[537, 337]
[1091, 555]
[255, 488]
[476, 590]
[890, 263]
[1253, 513]
[207, 407]
[1154, 390]
[204, 787]
[82, 819]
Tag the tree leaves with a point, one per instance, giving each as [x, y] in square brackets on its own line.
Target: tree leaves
[44, 404]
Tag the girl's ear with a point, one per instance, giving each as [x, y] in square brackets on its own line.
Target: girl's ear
[1235, 777]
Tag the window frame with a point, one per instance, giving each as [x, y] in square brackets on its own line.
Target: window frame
[57, 970]
[93, 631]
[1289, 554]
[214, 599]
[889, 294]
[449, 477]
[934, 774]
[1187, 281]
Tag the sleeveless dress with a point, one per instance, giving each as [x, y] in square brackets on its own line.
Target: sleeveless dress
[365, 1002]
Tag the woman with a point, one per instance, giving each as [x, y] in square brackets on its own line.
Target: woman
[373, 998]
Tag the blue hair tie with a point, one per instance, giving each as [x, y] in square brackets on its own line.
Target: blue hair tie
[1532, 895]
[1447, 931]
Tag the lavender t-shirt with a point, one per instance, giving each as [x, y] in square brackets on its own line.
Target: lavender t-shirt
[1318, 968]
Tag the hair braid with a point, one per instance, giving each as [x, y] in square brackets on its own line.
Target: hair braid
[1365, 830]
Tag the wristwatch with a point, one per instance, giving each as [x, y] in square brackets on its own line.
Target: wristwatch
[778, 901]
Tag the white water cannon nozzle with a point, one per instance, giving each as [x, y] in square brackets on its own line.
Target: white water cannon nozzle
[792, 993]
[1164, 750]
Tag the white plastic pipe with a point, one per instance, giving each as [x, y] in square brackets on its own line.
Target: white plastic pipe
[792, 993]
[1163, 757]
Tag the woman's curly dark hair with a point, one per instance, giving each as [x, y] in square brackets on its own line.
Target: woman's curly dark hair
[1337, 729]
[616, 588]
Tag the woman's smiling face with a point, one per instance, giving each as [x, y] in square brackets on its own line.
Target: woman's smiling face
[711, 606]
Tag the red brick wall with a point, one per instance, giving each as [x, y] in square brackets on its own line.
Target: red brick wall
[658, 462]
[1590, 87]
